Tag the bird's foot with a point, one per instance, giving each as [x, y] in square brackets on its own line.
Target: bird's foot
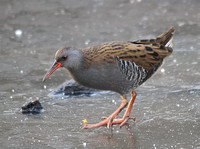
[109, 122]
[122, 121]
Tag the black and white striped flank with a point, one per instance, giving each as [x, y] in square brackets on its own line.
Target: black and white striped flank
[134, 73]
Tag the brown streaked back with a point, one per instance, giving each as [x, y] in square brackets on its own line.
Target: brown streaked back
[145, 53]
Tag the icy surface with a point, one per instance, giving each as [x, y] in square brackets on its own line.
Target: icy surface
[167, 108]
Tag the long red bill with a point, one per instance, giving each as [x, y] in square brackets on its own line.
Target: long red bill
[53, 68]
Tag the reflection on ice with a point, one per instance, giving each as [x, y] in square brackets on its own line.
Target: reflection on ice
[18, 33]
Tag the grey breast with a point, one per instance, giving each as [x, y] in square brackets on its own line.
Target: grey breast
[103, 77]
[121, 77]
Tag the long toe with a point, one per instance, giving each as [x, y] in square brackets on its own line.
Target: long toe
[109, 122]
[125, 120]
[102, 123]
[122, 121]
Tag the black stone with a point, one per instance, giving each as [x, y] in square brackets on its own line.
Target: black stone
[72, 88]
[33, 107]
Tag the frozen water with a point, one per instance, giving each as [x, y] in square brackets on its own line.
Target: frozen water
[167, 107]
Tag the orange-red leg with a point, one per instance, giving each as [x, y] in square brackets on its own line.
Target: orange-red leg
[110, 120]
[126, 116]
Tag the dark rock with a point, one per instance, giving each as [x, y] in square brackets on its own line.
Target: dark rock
[72, 88]
[33, 107]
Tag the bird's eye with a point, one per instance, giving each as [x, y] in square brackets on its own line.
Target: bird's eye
[64, 57]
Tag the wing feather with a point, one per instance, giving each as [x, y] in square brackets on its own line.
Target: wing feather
[145, 53]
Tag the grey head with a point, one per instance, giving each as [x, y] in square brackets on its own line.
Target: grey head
[67, 57]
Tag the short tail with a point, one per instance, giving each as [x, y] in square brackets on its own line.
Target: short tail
[164, 39]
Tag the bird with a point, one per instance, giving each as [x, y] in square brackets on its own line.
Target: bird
[117, 66]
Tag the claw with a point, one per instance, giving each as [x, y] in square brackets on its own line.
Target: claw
[133, 118]
[125, 120]
[104, 117]
[85, 123]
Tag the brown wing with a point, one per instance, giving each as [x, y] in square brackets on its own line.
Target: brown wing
[145, 53]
